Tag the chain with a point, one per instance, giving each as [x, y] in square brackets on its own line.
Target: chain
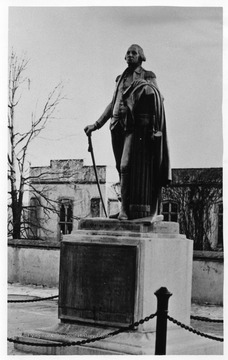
[118, 331]
[33, 300]
[193, 330]
[87, 341]
[201, 318]
[193, 317]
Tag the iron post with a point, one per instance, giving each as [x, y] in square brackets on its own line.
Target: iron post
[163, 296]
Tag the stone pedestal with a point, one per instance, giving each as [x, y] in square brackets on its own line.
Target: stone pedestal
[109, 272]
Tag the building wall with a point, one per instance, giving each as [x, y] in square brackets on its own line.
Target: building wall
[37, 262]
[80, 195]
[66, 179]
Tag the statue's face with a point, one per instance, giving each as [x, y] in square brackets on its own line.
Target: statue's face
[132, 56]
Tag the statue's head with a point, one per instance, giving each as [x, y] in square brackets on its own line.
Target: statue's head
[135, 55]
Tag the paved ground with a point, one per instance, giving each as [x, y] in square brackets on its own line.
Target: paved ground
[26, 316]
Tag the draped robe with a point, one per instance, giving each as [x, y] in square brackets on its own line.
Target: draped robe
[150, 165]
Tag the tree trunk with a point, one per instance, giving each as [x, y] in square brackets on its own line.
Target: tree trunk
[16, 212]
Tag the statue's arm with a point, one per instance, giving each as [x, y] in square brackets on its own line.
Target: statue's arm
[105, 116]
[100, 122]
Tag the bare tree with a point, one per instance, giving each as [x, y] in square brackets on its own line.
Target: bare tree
[18, 170]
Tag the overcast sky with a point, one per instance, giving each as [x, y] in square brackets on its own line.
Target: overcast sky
[85, 47]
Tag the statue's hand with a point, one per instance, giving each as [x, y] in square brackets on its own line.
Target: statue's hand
[89, 129]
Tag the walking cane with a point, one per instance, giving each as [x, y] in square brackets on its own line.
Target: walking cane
[90, 149]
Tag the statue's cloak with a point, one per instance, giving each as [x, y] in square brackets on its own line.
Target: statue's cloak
[150, 164]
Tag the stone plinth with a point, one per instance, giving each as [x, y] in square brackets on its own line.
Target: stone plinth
[116, 227]
[109, 271]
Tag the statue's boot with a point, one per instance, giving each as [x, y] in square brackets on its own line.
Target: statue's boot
[114, 216]
[123, 215]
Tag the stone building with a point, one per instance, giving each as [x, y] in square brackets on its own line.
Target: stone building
[64, 192]
[194, 199]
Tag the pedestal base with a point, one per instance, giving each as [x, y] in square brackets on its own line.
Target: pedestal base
[110, 270]
[179, 342]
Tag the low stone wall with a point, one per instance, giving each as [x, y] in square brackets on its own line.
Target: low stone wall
[33, 262]
[37, 262]
[207, 277]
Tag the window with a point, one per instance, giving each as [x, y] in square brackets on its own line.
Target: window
[95, 207]
[66, 216]
[220, 225]
[34, 217]
[170, 211]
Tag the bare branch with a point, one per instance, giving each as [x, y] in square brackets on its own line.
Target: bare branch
[19, 222]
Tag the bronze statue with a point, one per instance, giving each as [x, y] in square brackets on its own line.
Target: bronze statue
[139, 139]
